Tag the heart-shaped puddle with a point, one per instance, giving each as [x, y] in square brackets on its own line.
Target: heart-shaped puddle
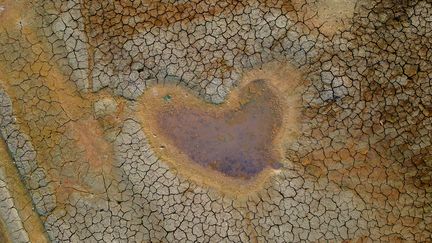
[232, 147]
[234, 139]
[236, 142]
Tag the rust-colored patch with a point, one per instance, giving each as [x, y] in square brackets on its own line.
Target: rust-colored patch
[89, 137]
[94, 158]
[233, 147]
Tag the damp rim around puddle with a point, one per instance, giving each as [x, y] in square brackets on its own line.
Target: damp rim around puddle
[286, 82]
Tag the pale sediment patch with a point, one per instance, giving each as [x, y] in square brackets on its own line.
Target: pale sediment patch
[329, 15]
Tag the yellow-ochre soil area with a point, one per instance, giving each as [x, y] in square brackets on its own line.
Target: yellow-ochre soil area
[215, 121]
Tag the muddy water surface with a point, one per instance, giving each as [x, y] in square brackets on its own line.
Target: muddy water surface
[237, 142]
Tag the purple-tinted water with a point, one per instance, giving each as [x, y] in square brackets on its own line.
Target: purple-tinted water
[237, 143]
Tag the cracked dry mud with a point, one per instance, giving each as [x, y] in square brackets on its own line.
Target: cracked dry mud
[216, 121]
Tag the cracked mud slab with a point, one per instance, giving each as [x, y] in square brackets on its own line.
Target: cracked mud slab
[215, 121]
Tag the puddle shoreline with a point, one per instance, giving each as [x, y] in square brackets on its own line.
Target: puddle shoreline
[254, 124]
